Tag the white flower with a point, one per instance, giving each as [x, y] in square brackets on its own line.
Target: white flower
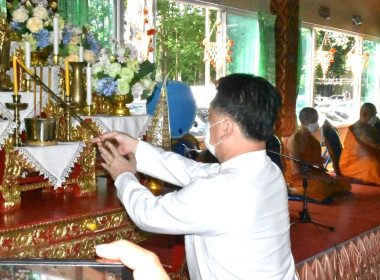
[133, 51]
[137, 90]
[126, 73]
[97, 68]
[75, 40]
[34, 24]
[20, 15]
[40, 12]
[123, 86]
[76, 31]
[133, 64]
[148, 84]
[120, 51]
[113, 70]
[103, 57]
[89, 56]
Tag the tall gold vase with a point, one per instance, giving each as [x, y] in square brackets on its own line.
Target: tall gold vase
[77, 89]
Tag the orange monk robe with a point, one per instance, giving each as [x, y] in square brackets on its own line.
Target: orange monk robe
[359, 160]
[306, 147]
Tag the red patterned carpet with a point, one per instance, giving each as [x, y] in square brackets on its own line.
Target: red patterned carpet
[350, 217]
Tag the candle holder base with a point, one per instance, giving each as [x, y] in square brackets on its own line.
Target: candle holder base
[55, 59]
[16, 106]
[70, 105]
[89, 110]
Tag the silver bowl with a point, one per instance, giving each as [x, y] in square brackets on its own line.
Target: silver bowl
[41, 131]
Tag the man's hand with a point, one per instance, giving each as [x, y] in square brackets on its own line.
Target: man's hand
[125, 144]
[115, 163]
[145, 264]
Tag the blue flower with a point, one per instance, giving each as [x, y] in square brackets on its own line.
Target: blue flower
[15, 25]
[93, 44]
[43, 38]
[107, 86]
[66, 35]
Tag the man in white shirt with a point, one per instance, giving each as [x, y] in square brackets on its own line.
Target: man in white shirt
[234, 215]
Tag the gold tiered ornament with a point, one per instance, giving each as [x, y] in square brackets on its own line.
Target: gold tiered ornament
[158, 133]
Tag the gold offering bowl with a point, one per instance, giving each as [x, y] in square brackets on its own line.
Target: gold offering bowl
[41, 131]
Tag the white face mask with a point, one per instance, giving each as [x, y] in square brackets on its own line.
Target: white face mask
[206, 136]
[313, 127]
[373, 120]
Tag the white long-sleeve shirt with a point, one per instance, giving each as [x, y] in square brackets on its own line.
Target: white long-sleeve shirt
[234, 215]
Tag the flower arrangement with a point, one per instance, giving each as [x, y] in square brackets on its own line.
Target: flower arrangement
[32, 20]
[120, 73]
[73, 37]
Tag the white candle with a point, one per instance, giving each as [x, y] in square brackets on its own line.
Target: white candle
[27, 57]
[89, 84]
[56, 35]
[80, 53]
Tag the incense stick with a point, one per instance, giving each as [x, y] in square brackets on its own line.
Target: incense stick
[41, 77]
[35, 94]
[49, 85]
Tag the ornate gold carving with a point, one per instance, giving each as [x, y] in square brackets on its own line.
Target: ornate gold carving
[10, 185]
[87, 179]
[68, 238]
[80, 228]
[5, 44]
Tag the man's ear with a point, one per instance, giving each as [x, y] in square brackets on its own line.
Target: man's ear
[228, 129]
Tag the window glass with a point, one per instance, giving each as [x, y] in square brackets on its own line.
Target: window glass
[244, 32]
[345, 75]
[369, 87]
[305, 70]
[335, 84]
[101, 20]
[194, 44]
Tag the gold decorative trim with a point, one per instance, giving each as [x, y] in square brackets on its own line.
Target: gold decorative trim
[24, 239]
[82, 248]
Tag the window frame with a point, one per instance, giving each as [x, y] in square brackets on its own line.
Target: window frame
[357, 96]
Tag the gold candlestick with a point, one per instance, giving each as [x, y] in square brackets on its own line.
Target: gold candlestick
[70, 105]
[17, 106]
[55, 59]
[89, 110]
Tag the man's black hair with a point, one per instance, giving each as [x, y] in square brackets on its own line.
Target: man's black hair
[252, 102]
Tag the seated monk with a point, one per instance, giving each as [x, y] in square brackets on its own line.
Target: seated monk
[304, 146]
[377, 125]
[360, 158]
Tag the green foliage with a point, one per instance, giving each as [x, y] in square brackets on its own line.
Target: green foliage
[338, 68]
[100, 20]
[180, 32]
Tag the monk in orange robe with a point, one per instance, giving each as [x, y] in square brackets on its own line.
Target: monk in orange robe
[360, 158]
[304, 146]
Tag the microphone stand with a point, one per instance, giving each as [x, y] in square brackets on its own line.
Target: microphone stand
[304, 214]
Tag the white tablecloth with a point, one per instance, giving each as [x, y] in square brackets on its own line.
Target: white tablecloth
[53, 162]
[56, 161]
[135, 126]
